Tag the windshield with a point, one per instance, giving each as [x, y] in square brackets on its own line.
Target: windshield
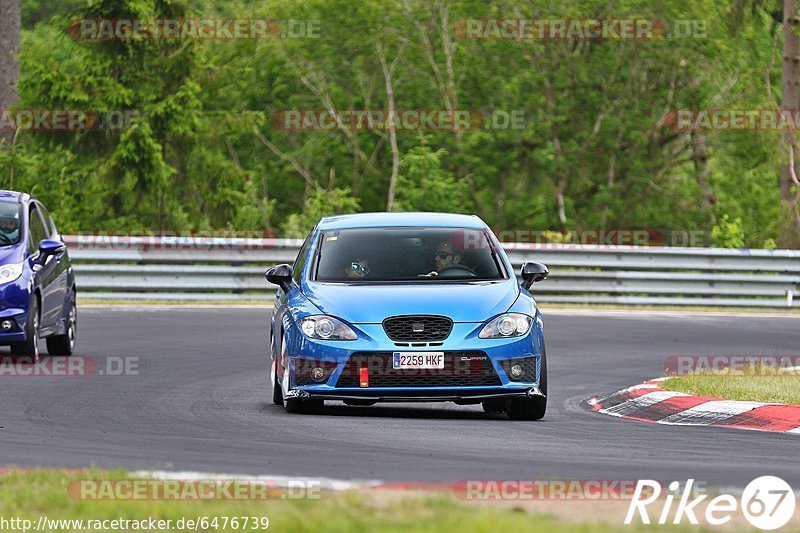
[406, 254]
[9, 223]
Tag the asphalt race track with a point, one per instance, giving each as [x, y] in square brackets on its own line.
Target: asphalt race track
[201, 401]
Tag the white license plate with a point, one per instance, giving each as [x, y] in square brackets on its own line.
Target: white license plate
[417, 360]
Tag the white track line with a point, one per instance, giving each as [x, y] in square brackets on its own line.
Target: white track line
[635, 404]
[278, 481]
[709, 413]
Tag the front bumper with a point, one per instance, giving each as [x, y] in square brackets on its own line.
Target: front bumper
[409, 396]
[14, 302]
[339, 382]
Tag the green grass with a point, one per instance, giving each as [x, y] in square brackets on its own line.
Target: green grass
[771, 387]
[36, 493]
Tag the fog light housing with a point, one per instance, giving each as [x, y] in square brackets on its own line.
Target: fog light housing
[516, 370]
[318, 374]
[7, 325]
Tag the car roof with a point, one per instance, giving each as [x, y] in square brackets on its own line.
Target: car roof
[13, 196]
[382, 220]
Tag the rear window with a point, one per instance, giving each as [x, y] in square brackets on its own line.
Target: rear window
[9, 223]
[370, 255]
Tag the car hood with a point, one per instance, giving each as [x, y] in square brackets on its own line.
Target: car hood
[370, 304]
[10, 255]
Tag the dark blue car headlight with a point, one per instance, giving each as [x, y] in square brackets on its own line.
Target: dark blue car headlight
[9, 273]
[326, 328]
[506, 325]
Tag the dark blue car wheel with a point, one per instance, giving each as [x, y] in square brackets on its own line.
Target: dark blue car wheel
[65, 344]
[30, 346]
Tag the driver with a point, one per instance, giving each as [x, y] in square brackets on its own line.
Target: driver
[9, 227]
[445, 257]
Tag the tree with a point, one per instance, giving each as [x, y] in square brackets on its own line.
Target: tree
[9, 63]
[790, 103]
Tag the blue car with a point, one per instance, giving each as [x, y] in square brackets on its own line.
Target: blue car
[37, 283]
[407, 307]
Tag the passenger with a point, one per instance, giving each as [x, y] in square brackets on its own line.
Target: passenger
[358, 269]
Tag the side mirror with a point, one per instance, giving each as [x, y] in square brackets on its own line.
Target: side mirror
[50, 247]
[533, 272]
[280, 275]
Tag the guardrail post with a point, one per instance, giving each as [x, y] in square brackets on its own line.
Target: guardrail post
[789, 298]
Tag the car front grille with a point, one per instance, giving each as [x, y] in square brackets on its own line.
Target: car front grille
[528, 368]
[461, 369]
[418, 328]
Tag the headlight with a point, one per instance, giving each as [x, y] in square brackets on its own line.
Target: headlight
[507, 325]
[9, 273]
[326, 328]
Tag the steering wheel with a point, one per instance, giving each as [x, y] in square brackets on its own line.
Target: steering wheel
[456, 271]
[6, 240]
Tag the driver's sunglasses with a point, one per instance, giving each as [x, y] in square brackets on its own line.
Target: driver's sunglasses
[359, 268]
[443, 255]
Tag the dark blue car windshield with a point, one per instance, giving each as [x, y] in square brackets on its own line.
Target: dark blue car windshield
[406, 254]
[9, 223]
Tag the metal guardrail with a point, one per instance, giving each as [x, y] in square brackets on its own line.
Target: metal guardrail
[233, 269]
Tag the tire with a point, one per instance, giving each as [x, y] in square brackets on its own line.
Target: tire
[277, 392]
[65, 344]
[531, 408]
[31, 344]
[293, 405]
[303, 406]
[493, 406]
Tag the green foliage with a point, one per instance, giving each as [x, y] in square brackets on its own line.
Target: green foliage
[426, 186]
[728, 233]
[320, 204]
[204, 151]
[253, 211]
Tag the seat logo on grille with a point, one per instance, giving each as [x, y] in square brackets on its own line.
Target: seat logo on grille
[417, 327]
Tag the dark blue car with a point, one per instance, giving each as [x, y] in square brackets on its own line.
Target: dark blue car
[37, 283]
[407, 307]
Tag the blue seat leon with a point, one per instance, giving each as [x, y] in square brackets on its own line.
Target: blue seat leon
[407, 307]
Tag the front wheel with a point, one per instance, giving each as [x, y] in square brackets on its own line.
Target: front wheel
[30, 346]
[277, 392]
[493, 406]
[65, 344]
[531, 408]
[303, 406]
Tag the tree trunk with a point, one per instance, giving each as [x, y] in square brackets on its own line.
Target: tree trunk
[701, 172]
[790, 102]
[387, 76]
[9, 64]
